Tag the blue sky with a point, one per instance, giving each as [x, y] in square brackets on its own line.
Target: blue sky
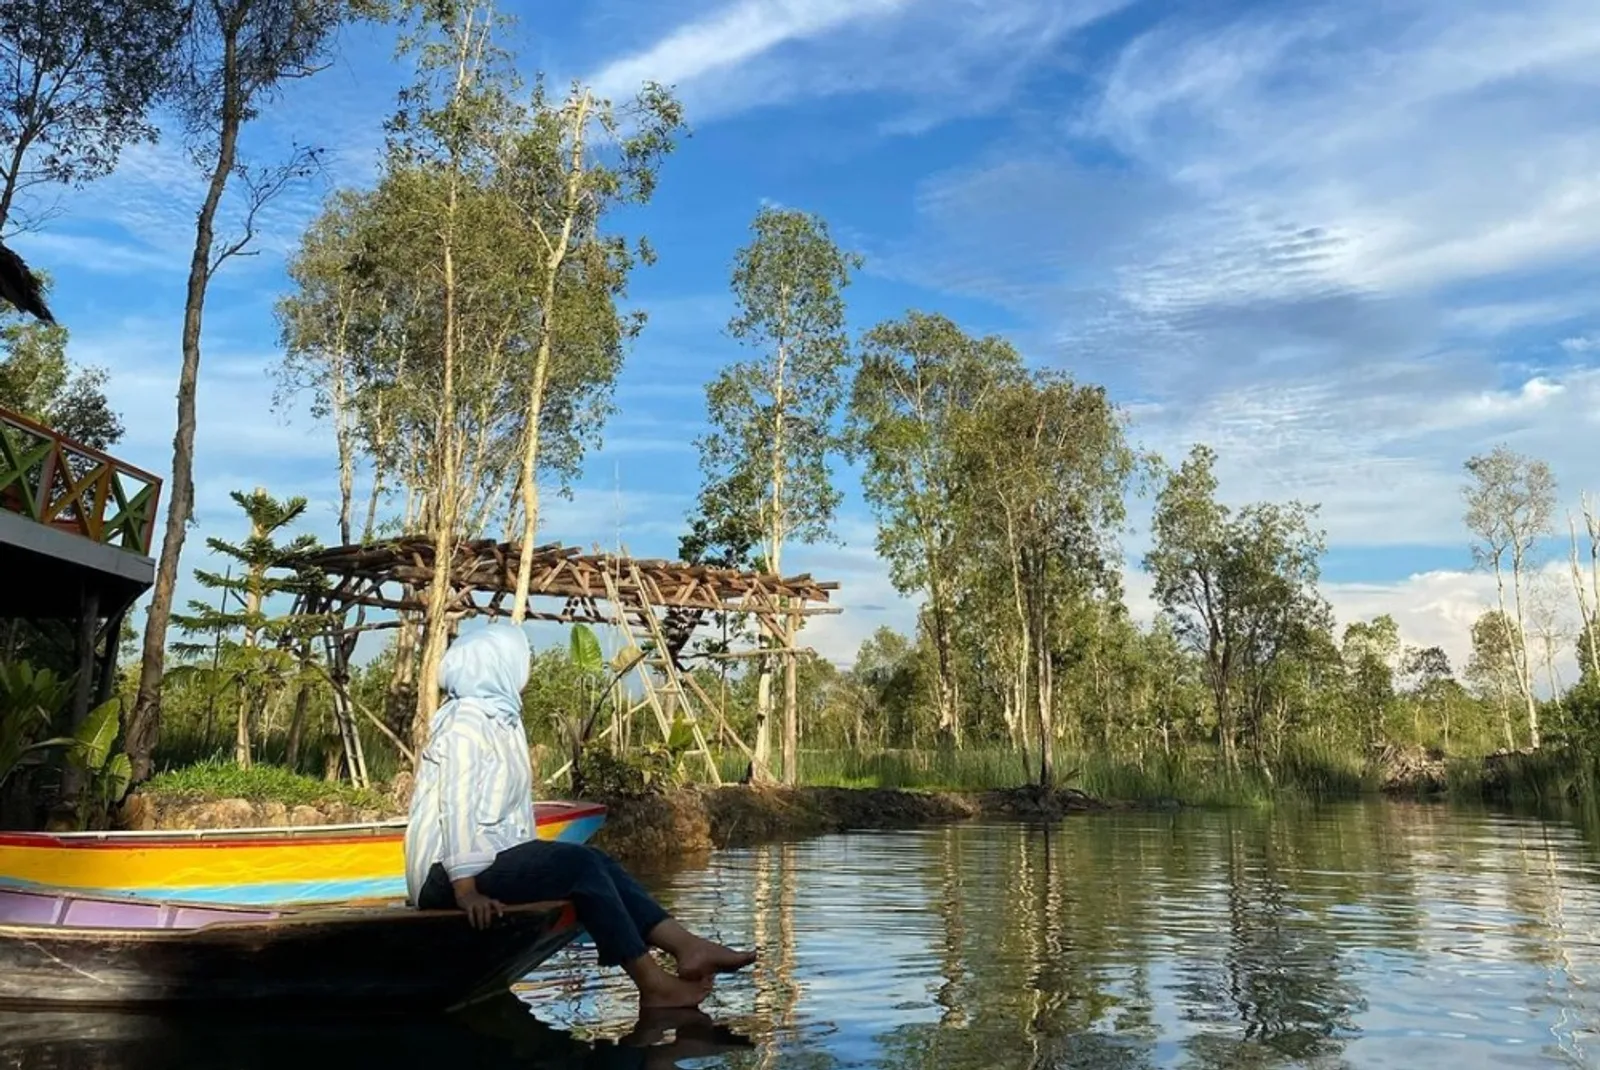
[1347, 245]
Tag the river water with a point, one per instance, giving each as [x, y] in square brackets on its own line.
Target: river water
[1362, 935]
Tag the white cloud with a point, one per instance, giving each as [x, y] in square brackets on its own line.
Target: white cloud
[1421, 143]
[1383, 453]
[937, 59]
[1438, 609]
[1307, 247]
[729, 38]
[1434, 608]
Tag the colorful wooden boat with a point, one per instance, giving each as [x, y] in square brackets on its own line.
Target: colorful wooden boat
[251, 867]
[62, 948]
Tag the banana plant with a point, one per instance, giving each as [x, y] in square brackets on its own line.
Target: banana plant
[583, 649]
[107, 773]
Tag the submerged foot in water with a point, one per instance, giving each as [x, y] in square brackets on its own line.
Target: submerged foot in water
[661, 989]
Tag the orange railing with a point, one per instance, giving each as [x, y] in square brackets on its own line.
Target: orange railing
[48, 477]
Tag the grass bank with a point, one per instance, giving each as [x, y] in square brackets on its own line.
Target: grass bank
[1194, 775]
[211, 780]
[1555, 775]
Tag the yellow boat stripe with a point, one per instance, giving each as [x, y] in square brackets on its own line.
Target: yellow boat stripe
[134, 868]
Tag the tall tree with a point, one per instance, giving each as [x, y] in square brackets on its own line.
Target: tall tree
[77, 81]
[249, 592]
[563, 192]
[1432, 685]
[772, 417]
[323, 324]
[1510, 503]
[1046, 466]
[919, 380]
[1493, 666]
[1587, 591]
[1371, 650]
[440, 245]
[1236, 588]
[236, 54]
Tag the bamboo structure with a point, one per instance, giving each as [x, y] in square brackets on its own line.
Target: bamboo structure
[656, 605]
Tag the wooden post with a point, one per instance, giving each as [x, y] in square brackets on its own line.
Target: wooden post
[88, 630]
[106, 674]
[339, 646]
[73, 782]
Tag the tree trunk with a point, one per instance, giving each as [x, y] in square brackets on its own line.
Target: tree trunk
[791, 709]
[347, 461]
[1518, 642]
[541, 365]
[945, 686]
[1223, 702]
[1505, 718]
[297, 723]
[142, 727]
[1045, 675]
[1588, 611]
[762, 746]
[252, 610]
[443, 513]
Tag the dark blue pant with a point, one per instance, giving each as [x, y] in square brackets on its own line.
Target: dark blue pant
[611, 905]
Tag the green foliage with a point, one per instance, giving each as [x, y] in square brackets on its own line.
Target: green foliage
[585, 650]
[766, 457]
[38, 381]
[96, 736]
[107, 772]
[81, 77]
[921, 385]
[252, 653]
[211, 780]
[649, 769]
[1241, 593]
[29, 701]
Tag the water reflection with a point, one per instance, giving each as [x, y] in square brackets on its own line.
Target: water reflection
[498, 1034]
[1372, 935]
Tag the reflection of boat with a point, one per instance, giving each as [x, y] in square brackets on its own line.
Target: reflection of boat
[497, 1033]
[63, 948]
[322, 863]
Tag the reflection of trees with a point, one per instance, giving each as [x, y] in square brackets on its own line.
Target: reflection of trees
[1284, 973]
[951, 995]
[1202, 940]
[1078, 945]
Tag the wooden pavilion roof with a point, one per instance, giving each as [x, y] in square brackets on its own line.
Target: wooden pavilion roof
[484, 575]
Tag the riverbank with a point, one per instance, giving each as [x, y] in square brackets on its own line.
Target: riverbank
[695, 820]
[654, 829]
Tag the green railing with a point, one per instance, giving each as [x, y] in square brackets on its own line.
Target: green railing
[48, 477]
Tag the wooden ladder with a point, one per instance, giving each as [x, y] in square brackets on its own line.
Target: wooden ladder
[638, 622]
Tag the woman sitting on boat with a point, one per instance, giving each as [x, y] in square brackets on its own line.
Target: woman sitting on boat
[470, 839]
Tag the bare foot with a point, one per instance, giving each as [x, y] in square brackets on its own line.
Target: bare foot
[662, 989]
[706, 957]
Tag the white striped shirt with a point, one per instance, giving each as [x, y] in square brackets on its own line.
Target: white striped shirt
[474, 790]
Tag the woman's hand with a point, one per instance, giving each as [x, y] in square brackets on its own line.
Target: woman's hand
[481, 910]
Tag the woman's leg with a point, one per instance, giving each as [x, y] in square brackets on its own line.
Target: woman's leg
[696, 956]
[540, 870]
